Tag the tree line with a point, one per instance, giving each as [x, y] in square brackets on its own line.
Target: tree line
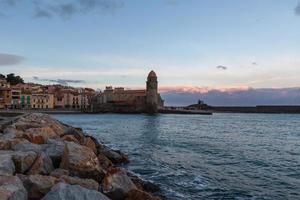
[12, 78]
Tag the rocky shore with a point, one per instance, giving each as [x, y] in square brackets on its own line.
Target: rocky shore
[42, 158]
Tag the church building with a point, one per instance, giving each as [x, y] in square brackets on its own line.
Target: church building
[120, 100]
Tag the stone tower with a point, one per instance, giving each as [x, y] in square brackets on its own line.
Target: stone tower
[152, 94]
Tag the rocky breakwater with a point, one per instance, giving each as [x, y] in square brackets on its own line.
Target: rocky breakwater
[41, 158]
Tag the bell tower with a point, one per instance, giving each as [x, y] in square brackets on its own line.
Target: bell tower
[151, 93]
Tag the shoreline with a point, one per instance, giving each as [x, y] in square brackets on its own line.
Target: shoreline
[41, 157]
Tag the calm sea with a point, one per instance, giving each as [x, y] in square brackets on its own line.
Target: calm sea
[224, 156]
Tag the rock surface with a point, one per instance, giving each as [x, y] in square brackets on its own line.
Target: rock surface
[11, 188]
[115, 156]
[140, 195]
[37, 186]
[7, 166]
[81, 161]
[116, 184]
[27, 146]
[59, 172]
[54, 149]
[86, 183]
[42, 165]
[23, 160]
[40, 135]
[63, 191]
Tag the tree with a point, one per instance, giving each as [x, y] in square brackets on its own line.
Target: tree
[2, 76]
[14, 80]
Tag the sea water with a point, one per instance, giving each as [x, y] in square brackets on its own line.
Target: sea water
[223, 156]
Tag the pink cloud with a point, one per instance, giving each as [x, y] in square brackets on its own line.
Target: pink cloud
[200, 90]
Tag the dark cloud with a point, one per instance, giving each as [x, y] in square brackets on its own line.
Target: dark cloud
[10, 59]
[249, 97]
[58, 81]
[66, 9]
[297, 9]
[39, 13]
[222, 67]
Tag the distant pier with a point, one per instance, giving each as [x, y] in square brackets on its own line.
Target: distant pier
[183, 111]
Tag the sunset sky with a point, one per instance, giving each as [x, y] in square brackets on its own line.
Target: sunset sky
[195, 46]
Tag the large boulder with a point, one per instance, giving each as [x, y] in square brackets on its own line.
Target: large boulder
[4, 144]
[143, 184]
[38, 120]
[140, 195]
[23, 160]
[39, 135]
[89, 142]
[7, 166]
[12, 131]
[86, 183]
[104, 162]
[27, 146]
[70, 138]
[7, 141]
[74, 132]
[54, 149]
[81, 161]
[42, 165]
[59, 172]
[63, 191]
[116, 184]
[11, 188]
[37, 186]
[115, 156]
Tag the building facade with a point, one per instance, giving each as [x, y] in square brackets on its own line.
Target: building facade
[5, 94]
[129, 101]
[42, 101]
[16, 97]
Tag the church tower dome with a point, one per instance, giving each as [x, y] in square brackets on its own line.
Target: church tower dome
[152, 74]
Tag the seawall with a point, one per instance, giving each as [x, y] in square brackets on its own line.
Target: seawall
[256, 109]
[42, 158]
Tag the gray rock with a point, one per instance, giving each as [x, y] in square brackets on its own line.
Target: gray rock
[8, 136]
[5, 144]
[86, 183]
[11, 188]
[63, 191]
[7, 166]
[81, 161]
[143, 184]
[27, 147]
[115, 156]
[23, 160]
[54, 149]
[37, 186]
[42, 165]
[73, 131]
[116, 184]
[59, 172]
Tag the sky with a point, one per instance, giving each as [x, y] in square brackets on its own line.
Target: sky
[196, 47]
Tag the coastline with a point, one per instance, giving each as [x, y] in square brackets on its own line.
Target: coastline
[42, 157]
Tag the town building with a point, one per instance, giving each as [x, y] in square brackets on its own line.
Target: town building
[129, 101]
[26, 100]
[5, 94]
[42, 101]
[16, 97]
